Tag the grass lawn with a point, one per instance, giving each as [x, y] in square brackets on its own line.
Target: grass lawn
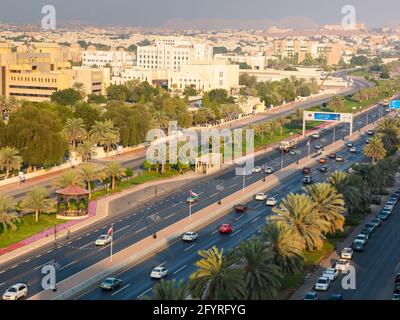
[27, 228]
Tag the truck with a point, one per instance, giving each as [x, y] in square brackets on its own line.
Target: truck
[287, 145]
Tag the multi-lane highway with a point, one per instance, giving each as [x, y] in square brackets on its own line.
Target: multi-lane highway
[180, 257]
[78, 253]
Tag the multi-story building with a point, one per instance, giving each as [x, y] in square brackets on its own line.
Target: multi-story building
[118, 60]
[171, 54]
[257, 62]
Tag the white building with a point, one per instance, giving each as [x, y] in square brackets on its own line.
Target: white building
[256, 62]
[118, 60]
[171, 53]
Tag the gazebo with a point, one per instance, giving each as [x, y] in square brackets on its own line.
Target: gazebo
[72, 202]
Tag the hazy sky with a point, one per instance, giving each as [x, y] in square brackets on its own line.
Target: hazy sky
[198, 13]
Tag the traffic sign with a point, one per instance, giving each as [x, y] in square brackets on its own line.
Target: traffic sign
[394, 104]
[328, 116]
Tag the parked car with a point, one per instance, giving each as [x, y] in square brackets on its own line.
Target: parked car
[225, 228]
[397, 279]
[261, 196]
[311, 296]
[358, 245]
[366, 232]
[336, 296]
[190, 236]
[362, 237]
[322, 284]
[384, 215]
[271, 202]
[15, 292]
[256, 169]
[103, 240]
[159, 273]
[323, 169]
[370, 226]
[110, 283]
[346, 253]
[240, 207]
[342, 265]
[376, 222]
[330, 273]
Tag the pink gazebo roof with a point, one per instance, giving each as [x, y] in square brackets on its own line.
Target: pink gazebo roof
[72, 191]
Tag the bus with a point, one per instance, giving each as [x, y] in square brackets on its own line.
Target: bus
[287, 145]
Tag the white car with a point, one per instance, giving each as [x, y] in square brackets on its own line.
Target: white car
[342, 265]
[353, 149]
[346, 253]
[159, 273]
[190, 236]
[350, 144]
[15, 292]
[322, 284]
[362, 238]
[330, 273]
[268, 170]
[103, 240]
[271, 202]
[292, 152]
[256, 169]
[261, 196]
[315, 135]
[388, 207]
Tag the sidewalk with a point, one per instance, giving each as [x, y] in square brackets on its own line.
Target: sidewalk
[147, 247]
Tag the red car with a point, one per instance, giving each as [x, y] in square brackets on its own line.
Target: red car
[225, 228]
[240, 208]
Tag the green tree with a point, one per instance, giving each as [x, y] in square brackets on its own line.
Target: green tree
[170, 290]
[74, 131]
[37, 200]
[67, 179]
[86, 150]
[10, 159]
[114, 170]
[118, 92]
[216, 277]
[104, 134]
[189, 91]
[7, 218]
[375, 149]
[66, 97]
[89, 174]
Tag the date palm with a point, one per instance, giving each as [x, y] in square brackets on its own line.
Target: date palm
[88, 173]
[37, 200]
[375, 149]
[351, 193]
[74, 131]
[68, 178]
[10, 159]
[285, 246]
[104, 134]
[297, 212]
[114, 170]
[216, 276]
[170, 290]
[261, 276]
[7, 218]
[281, 123]
[86, 150]
[329, 205]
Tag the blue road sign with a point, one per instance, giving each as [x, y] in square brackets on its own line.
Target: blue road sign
[327, 116]
[394, 104]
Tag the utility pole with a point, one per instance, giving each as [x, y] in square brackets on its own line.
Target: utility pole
[309, 148]
[112, 240]
[281, 159]
[155, 212]
[54, 289]
[334, 134]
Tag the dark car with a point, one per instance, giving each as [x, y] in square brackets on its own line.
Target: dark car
[336, 296]
[110, 283]
[358, 246]
[397, 279]
[311, 296]
[307, 180]
[240, 207]
[323, 169]
[366, 231]
[370, 132]
[332, 156]
[370, 226]
[306, 170]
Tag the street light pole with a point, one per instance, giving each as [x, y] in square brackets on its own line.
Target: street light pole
[112, 240]
[281, 159]
[334, 134]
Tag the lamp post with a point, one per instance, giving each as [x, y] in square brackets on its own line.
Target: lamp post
[220, 188]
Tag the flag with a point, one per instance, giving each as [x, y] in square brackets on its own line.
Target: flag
[110, 232]
[192, 194]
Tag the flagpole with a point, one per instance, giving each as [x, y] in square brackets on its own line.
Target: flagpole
[112, 240]
[190, 210]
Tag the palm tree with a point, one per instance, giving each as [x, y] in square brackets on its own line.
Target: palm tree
[273, 125]
[74, 131]
[329, 205]
[86, 150]
[281, 122]
[104, 134]
[38, 201]
[109, 140]
[261, 276]
[8, 219]
[170, 290]
[68, 178]
[10, 159]
[114, 170]
[216, 277]
[88, 173]
[297, 212]
[375, 149]
[285, 246]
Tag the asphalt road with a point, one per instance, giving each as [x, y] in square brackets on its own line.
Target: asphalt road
[180, 257]
[131, 226]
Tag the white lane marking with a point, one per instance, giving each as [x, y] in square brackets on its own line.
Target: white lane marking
[79, 238]
[67, 265]
[258, 206]
[39, 255]
[256, 219]
[160, 265]
[27, 260]
[236, 177]
[171, 215]
[121, 289]
[14, 266]
[2, 271]
[2, 284]
[188, 248]
[96, 230]
[180, 269]
[122, 228]
[200, 193]
[142, 294]
[214, 232]
[48, 262]
[232, 186]
[275, 196]
[87, 234]
[235, 232]
[238, 218]
[140, 230]
[50, 251]
[213, 195]
[174, 205]
[86, 245]
[291, 186]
